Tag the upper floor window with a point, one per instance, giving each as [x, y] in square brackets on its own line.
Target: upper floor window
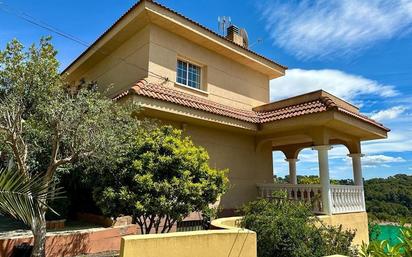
[188, 74]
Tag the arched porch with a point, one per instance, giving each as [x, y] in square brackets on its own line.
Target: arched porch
[318, 120]
[325, 197]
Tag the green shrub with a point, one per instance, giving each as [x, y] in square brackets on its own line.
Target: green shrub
[289, 229]
[161, 180]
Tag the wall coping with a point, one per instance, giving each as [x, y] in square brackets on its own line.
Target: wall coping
[223, 223]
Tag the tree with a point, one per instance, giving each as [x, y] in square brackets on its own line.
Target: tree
[46, 125]
[288, 228]
[160, 181]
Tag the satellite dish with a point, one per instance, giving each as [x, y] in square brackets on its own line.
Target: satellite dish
[245, 37]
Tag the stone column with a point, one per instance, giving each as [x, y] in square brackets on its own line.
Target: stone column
[357, 168]
[292, 171]
[324, 177]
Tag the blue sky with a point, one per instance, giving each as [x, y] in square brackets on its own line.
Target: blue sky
[358, 50]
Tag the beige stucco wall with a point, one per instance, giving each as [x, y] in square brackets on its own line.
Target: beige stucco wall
[153, 50]
[226, 81]
[123, 66]
[236, 152]
[354, 221]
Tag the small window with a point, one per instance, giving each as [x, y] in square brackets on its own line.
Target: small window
[188, 74]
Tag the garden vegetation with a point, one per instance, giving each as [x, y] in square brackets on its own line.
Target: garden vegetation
[288, 228]
[161, 179]
[47, 126]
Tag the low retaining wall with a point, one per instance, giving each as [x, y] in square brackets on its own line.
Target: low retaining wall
[72, 243]
[227, 223]
[227, 240]
[357, 221]
[205, 243]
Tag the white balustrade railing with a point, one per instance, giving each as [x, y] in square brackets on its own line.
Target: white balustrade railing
[344, 199]
[303, 192]
[347, 199]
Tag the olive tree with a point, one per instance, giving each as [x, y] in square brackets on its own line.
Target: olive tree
[46, 125]
[162, 179]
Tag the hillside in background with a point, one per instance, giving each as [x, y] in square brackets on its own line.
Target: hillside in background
[389, 199]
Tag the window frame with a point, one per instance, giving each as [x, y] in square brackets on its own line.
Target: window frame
[188, 62]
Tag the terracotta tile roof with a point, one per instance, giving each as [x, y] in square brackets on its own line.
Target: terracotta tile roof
[136, 5]
[168, 94]
[316, 106]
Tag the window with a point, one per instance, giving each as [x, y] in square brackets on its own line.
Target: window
[188, 74]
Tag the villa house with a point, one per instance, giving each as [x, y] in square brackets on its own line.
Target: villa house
[217, 90]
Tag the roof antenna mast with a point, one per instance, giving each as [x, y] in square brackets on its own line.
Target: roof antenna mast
[223, 23]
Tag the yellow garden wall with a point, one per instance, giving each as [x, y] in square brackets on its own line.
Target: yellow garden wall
[355, 221]
[227, 223]
[230, 241]
[210, 243]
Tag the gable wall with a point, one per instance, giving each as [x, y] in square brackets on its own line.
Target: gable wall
[226, 81]
[124, 66]
[155, 51]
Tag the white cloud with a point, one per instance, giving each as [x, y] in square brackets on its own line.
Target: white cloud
[399, 140]
[369, 166]
[374, 160]
[388, 114]
[333, 27]
[339, 83]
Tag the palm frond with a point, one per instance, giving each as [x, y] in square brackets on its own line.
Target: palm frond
[23, 198]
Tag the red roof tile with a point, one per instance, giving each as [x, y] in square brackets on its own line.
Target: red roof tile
[292, 111]
[168, 94]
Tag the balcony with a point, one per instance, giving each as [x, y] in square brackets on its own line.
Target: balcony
[341, 198]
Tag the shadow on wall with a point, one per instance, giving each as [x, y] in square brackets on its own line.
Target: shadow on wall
[74, 243]
[68, 245]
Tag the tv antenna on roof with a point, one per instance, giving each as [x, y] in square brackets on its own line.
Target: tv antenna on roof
[258, 41]
[223, 23]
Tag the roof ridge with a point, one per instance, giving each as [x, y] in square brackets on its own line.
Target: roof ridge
[363, 117]
[328, 102]
[288, 106]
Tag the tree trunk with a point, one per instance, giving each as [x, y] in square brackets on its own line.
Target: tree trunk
[39, 234]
